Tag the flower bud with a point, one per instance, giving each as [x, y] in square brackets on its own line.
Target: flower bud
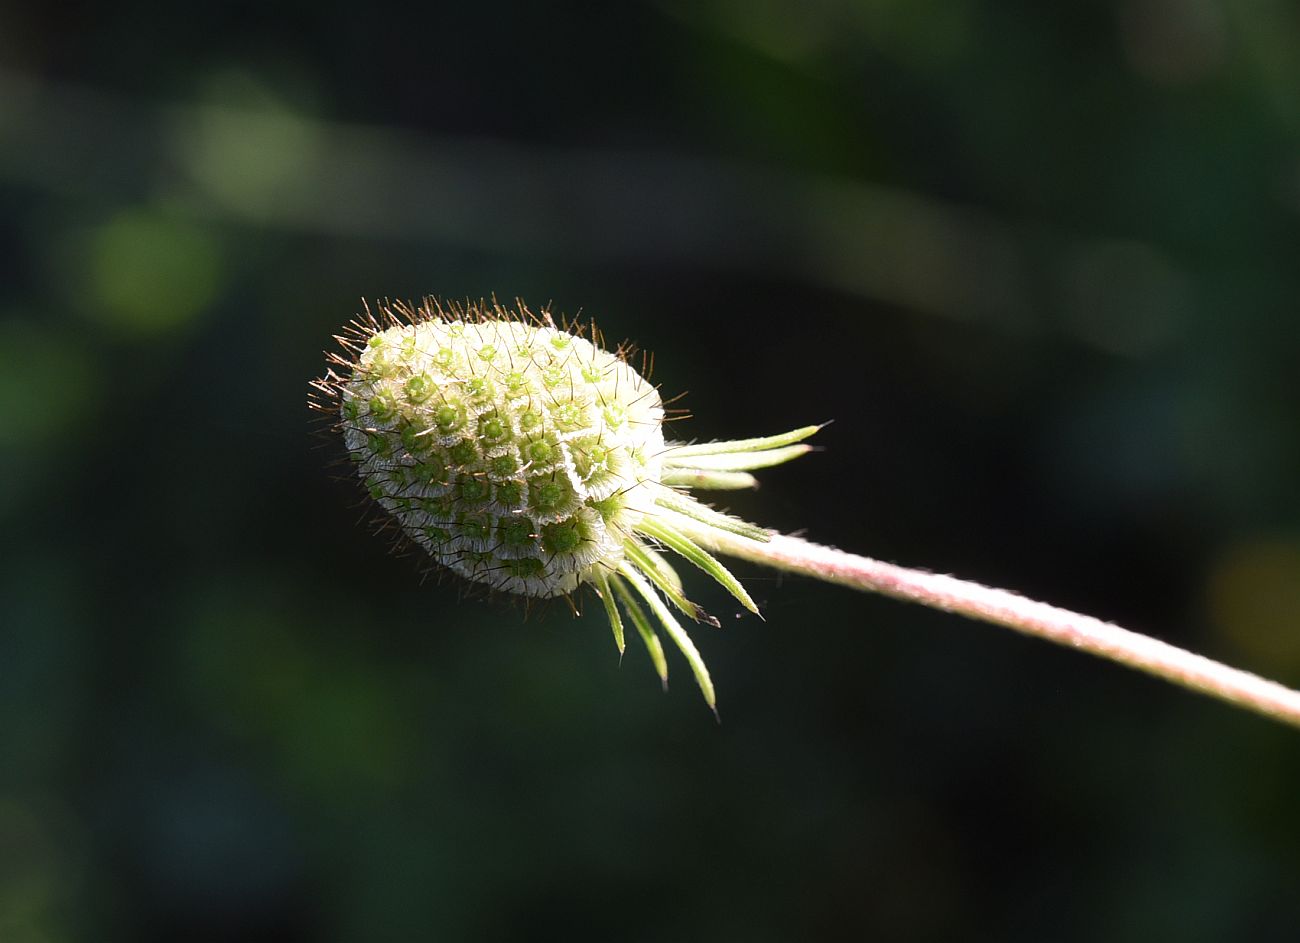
[527, 459]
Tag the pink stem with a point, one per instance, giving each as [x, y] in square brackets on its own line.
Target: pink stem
[1005, 608]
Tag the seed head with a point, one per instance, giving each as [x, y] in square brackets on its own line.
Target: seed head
[525, 458]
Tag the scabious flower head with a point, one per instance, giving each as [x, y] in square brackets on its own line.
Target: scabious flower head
[524, 457]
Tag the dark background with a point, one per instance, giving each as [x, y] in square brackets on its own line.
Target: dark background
[1038, 261]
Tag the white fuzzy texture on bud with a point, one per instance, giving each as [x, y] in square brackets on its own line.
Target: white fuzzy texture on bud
[515, 454]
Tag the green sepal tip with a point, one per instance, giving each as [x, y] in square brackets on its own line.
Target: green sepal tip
[675, 632]
[680, 543]
[643, 628]
[708, 480]
[737, 461]
[671, 588]
[699, 513]
[606, 595]
[744, 445]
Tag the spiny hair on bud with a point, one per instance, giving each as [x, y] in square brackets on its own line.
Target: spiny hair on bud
[521, 455]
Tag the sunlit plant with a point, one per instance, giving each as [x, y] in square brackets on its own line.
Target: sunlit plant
[527, 459]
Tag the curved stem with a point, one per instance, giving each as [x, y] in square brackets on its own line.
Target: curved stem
[1005, 608]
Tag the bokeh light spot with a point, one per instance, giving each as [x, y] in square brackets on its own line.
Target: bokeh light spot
[1124, 297]
[151, 274]
[35, 874]
[46, 385]
[1254, 600]
[246, 147]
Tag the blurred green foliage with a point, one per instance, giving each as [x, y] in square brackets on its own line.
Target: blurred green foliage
[1039, 261]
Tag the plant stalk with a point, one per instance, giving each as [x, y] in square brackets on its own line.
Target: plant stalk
[1005, 608]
